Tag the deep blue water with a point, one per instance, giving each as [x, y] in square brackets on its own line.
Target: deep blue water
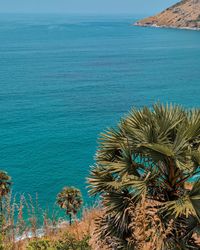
[64, 79]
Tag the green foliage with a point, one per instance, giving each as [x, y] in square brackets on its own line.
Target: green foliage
[68, 242]
[150, 155]
[40, 245]
[5, 185]
[70, 199]
[1, 242]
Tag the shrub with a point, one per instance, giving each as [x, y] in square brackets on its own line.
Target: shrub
[40, 245]
[66, 242]
[69, 242]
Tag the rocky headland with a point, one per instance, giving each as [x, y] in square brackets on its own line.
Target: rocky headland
[184, 14]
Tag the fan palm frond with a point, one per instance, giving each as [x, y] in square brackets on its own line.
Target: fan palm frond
[151, 152]
[70, 199]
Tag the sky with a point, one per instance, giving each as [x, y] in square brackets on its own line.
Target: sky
[85, 6]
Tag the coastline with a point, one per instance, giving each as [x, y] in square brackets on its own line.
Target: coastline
[165, 26]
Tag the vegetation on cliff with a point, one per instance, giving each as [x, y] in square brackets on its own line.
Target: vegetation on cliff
[143, 172]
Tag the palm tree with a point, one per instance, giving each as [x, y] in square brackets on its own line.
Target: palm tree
[70, 199]
[5, 184]
[146, 162]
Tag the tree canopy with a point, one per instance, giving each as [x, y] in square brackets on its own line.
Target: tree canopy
[146, 161]
[70, 199]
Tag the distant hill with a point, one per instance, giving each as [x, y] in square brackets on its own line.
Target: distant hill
[184, 14]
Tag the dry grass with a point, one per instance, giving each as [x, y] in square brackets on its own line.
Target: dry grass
[79, 230]
[23, 217]
[146, 226]
[147, 229]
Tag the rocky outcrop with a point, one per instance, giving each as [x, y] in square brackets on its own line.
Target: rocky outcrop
[184, 14]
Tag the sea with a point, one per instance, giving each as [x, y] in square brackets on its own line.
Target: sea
[64, 79]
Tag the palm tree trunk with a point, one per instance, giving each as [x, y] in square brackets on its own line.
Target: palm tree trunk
[1, 216]
[70, 219]
[1, 206]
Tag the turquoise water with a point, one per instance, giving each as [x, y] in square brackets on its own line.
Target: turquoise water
[64, 79]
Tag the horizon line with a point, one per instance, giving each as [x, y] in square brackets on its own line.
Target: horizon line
[79, 13]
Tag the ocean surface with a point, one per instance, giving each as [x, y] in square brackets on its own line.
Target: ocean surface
[64, 79]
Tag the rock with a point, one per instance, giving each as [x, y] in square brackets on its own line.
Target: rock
[184, 14]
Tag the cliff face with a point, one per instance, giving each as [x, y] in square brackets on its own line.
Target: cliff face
[184, 14]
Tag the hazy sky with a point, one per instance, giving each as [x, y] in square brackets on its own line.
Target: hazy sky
[85, 6]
